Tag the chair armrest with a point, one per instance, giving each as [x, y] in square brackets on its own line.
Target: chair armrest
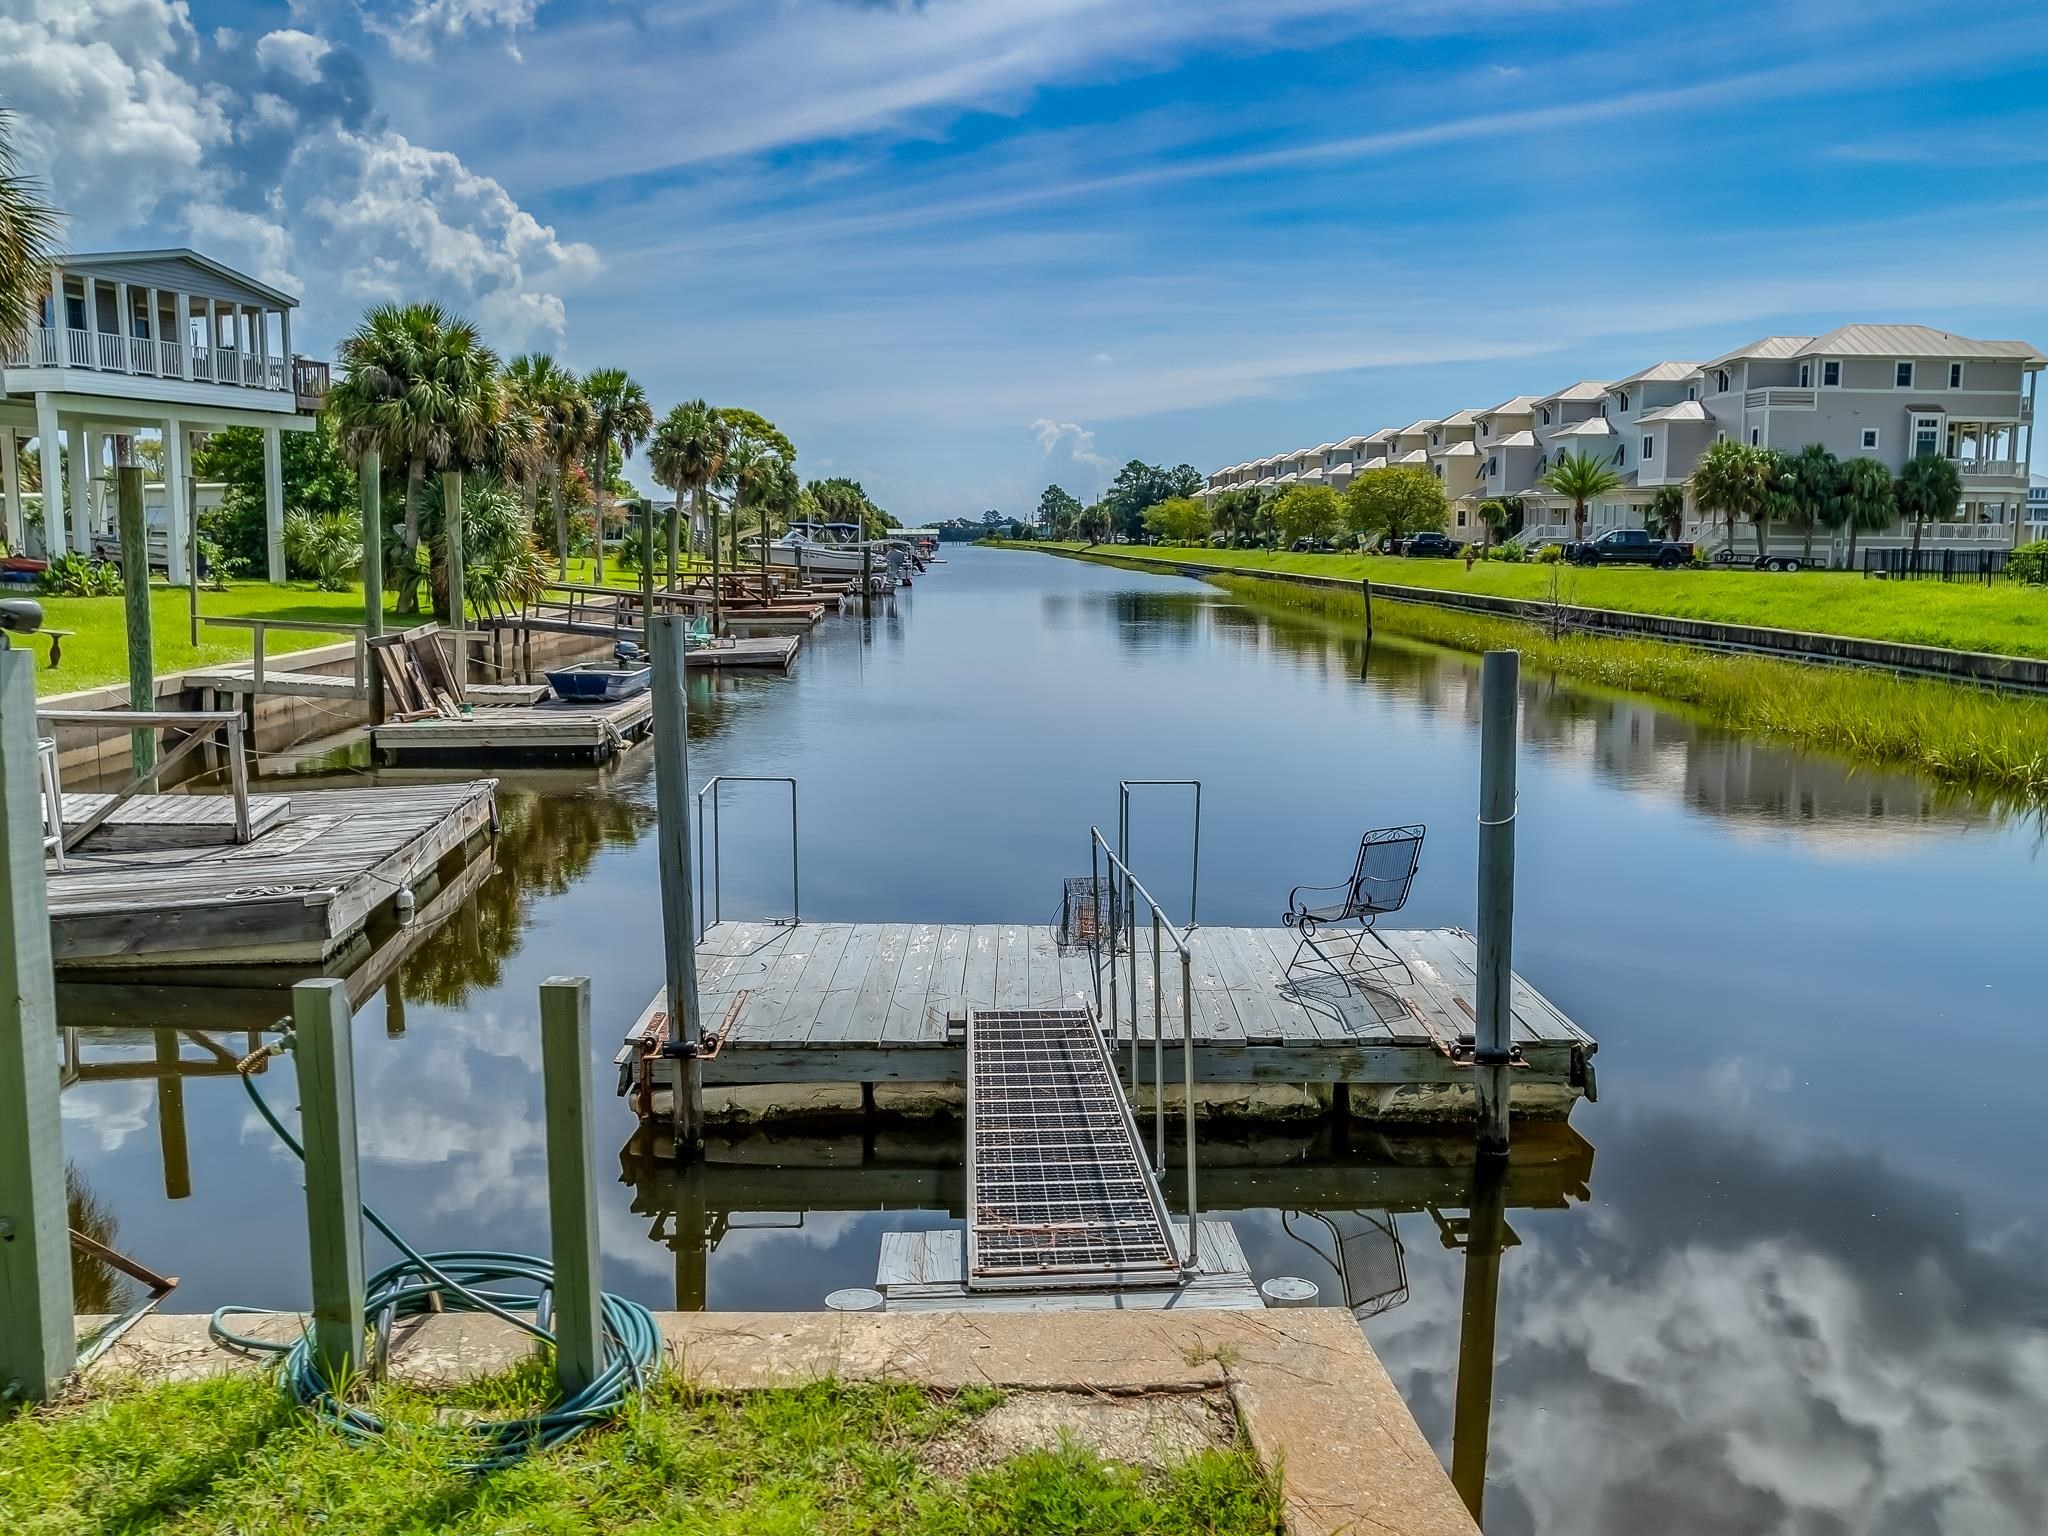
[1293, 905]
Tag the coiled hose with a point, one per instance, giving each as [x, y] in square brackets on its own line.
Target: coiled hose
[459, 1281]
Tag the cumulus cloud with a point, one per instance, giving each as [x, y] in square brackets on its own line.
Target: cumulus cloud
[414, 31]
[267, 152]
[1077, 441]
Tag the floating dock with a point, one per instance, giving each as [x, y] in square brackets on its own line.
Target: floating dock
[794, 1006]
[317, 875]
[552, 730]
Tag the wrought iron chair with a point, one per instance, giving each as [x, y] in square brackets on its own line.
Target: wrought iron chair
[1379, 884]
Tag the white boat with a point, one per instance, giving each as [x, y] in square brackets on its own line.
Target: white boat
[832, 549]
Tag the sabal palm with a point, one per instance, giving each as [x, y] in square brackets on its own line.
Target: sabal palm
[28, 239]
[1581, 477]
[567, 425]
[1864, 499]
[1929, 489]
[419, 386]
[1667, 510]
[1815, 475]
[1729, 480]
[687, 454]
[624, 419]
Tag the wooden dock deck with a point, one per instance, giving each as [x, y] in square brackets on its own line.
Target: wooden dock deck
[302, 890]
[552, 730]
[881, 1002]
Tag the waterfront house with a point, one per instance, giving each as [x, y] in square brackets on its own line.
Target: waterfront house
[126, 342]
[2037, 508]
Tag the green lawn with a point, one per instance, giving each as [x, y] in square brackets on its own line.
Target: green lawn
[2004, 617]
[233, 1456]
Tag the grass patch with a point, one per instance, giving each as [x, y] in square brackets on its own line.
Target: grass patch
[232, 1455]
[2005, 617]
[1967, 737]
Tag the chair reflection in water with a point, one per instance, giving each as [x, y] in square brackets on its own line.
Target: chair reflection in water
[1380, 881]
[1363, 1247]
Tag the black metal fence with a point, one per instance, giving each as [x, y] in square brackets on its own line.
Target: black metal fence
[1935, 562]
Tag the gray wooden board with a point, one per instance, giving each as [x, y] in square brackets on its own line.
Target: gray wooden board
[825, 946]
[907, 1017]
[871, 1005]
[948, 990]
[926, 1271]
[168, 821]
[276, 680]
[834, 1021]
[1013, 966]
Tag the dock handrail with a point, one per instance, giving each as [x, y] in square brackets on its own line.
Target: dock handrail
[1123, 892]
[1123, 830]
[229, 721]
[359, 633]
[716, 908]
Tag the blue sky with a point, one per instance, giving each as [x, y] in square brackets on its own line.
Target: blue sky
[961, 248]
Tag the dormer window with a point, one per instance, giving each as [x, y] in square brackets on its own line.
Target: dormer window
[1546, 415]
[1720, 381]
[1622, 400]
[1806, 375]
[1692, 391]
[1830, 373]
[1955, 375]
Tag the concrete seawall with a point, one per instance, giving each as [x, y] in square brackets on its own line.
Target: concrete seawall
[2019, 673]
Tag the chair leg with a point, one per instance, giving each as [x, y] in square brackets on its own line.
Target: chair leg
[1368, 931]
[1323, 959]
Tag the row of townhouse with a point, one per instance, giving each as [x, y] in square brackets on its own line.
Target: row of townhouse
[1888, 392]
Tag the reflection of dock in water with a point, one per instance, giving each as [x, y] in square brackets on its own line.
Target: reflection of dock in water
[772, 1181]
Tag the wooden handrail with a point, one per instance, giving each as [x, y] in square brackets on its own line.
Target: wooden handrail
[261, 626]
[227, 720]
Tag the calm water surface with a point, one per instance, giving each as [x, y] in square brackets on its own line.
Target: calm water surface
[1787, 1275]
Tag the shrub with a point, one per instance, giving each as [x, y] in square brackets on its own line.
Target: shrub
[1511, 552]
[1550, 554]
[76, 575]
[2029, 563]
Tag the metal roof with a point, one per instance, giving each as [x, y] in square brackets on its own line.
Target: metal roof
[1916, 341]
[1592, 426]
[88, 261]
[1766, 347]
[1522, 439]
[1458, 451]
[1585, 389]
[1463, 418]
[1413, 456]
[1658, 373]
[1419, 426]
[1520, 405]
[1685, 410]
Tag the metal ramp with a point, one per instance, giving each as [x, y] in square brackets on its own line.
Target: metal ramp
[1058, 1193]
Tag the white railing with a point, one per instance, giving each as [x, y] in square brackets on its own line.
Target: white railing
[1780, 399]
[1537, 533]
[1965, 533]
[170, 359]
[79, 347]
[110, 351]
[1990, 469]
[202, 362]
[141, 355]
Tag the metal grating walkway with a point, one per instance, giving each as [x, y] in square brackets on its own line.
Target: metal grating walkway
[1057, 1194]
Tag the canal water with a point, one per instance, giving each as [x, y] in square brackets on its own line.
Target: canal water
[1786, 1275]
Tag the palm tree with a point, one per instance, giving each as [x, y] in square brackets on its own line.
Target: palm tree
[840, 500]
[526, 453]
[1863, 500]
[781, 493]
[1780, 502]
[1729, 479]
[1815, 475]
[1929, 487]
[624, 419]
[419, 386]
[567, 425]
[1667, 510]
[688, 454]
[1581, 477]
[1493, 517]
[28, 239]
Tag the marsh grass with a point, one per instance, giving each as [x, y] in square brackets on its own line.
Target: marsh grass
[1967, 737]
[232, 1455]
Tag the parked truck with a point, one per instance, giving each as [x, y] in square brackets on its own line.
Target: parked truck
[1629, 546]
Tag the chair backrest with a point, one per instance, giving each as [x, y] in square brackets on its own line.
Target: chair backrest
[1387, 860]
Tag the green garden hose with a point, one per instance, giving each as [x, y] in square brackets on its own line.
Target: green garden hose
[461, 1281]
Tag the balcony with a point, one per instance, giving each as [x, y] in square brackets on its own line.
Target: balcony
[2000, 474]
[145, 357]
[1780, 400]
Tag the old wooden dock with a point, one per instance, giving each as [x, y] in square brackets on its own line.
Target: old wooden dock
[312, 880]
[551, 730]
[868, 1003]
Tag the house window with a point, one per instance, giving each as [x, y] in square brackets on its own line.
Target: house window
[1902, 376]
[1721, 381]
[1756, 437]
[1649, 449]
[1439, 470]
[1869, 439]
[1493, 466]
[1926, 436]
[1436, 439]
[1546, 416]
[1692, 391]
[1623, 398]
[1831, 372]
[1461, 517]
[1955, 375]
[1806, 375]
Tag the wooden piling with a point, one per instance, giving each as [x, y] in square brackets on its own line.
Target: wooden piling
[334, 1202]
[572, 1180]
[370, 480]
[135, 602]
[646, 564]
[1365, 587]
[1499, 679]
[867, 579]
[458, 609]
[1472, 1402]
[672, 832]
[170, 1118]
[37, 1344]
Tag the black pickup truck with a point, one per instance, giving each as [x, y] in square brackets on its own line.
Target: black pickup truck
[1630, 546]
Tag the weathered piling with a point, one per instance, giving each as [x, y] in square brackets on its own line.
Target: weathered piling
[321, 1020]
[370, 479]
[572, 1181]
[1365, 590]
[1499, 678]
[37, 1344]
[458, 609]
[867, 580]
[135, 601]
[1472, 1407]
[672, 833]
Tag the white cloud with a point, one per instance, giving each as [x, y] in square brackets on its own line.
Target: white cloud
[294, 53]
[269, 155]
[414, 31]
[1076, 439]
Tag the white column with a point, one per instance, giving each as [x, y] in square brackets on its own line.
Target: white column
[176, 512]
[124, 323]
[284, 326]
[185, 334]
[273, 500]
[81, 477]
[51, 455]
[95, 461]
[10, 489]
[263, 346]
[57, 326]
